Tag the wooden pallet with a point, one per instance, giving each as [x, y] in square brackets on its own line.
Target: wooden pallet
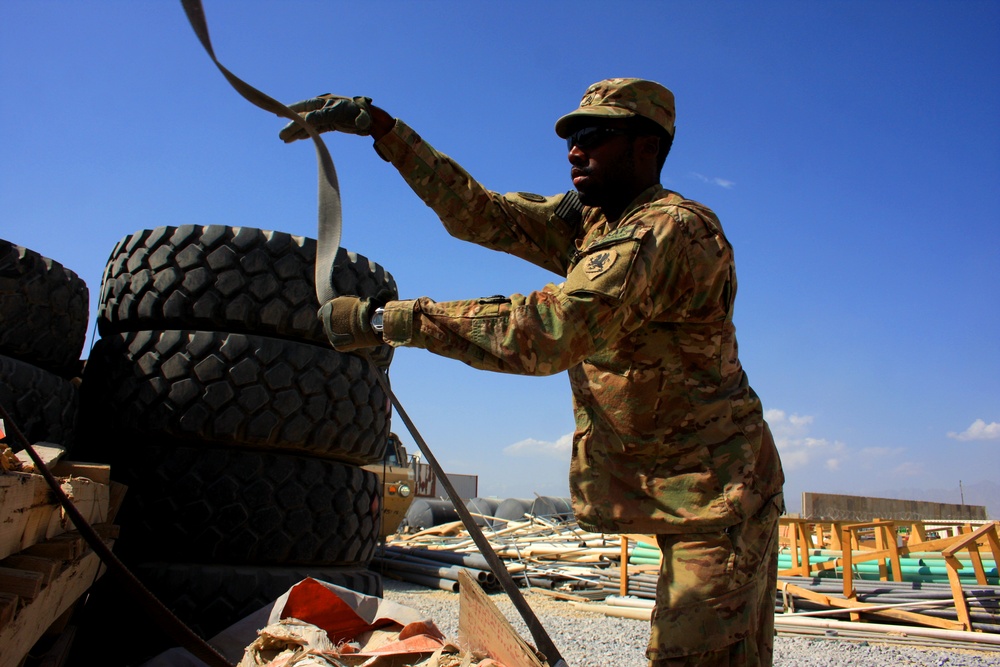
[45, 565]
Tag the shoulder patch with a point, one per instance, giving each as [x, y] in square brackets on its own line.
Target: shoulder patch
[599, 262]
[622, 233]
[530, 196]
[570, 208]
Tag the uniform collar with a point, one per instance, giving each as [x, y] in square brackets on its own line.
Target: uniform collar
[595, 218]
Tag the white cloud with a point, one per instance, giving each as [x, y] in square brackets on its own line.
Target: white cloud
[560, 449]
[797, 448]
[721, 182]
[785, 426]
[979, 430]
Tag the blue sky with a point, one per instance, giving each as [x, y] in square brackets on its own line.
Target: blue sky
[851, 150]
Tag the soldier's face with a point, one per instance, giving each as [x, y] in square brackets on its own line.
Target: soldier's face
[604, 166]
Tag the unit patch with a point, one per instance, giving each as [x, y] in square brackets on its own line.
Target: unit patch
[599, 262]
[531, 196]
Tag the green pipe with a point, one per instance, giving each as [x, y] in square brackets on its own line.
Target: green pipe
[937, 566]
[913, 569]
[644, 561]
[988, 563]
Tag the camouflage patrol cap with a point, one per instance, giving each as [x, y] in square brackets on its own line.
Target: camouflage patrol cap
[622, 98]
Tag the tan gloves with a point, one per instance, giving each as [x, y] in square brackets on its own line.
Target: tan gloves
[328, 113]
[347, 321]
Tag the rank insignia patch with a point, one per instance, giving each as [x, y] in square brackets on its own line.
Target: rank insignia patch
[599, 262]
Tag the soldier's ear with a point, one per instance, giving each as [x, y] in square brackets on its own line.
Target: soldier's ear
[649, 145]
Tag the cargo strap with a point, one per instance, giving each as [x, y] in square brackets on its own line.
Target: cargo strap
[538, 633]
[329, 241]
[330, 217]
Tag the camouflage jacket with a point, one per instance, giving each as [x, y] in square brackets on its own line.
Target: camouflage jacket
[669, 435]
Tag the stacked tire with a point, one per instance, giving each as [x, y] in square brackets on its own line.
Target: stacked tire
[214, 394]
[43, 326]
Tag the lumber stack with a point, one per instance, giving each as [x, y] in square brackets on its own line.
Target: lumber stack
[541, 552]
[558, 558]
[45, 565]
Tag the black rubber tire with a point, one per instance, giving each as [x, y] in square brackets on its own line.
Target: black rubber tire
[238, 279]
[43, 405]
[43, 310]
[207, 598]
[235, 390]
[219, 505]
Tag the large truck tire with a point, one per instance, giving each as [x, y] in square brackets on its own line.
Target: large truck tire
[236, 390]
[237, 279]
[43, 310]
[43, 405]
[218, 505]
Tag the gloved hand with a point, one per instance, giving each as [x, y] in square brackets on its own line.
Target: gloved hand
[330, 112]
[347, 321]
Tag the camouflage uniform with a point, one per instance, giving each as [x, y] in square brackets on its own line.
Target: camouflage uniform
[670, 438]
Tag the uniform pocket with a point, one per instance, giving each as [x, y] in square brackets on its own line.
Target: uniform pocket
[604, 266]
[707, 625]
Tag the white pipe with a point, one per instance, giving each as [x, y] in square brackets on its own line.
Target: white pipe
[618, 601]
[904, 630]
[620, 612]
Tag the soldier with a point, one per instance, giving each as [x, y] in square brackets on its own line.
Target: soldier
[670, 439]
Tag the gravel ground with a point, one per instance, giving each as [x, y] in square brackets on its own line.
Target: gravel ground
[594, 640]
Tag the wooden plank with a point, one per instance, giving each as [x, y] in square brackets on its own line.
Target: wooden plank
[48, 452]
[22, 583]
[68, 547]
[970, 537]
[893, 540]
[21, 494]
[47, 567]
[930, 545]
[835, 536]
[559, 595]
[33, 619]
[848, 563]
[917, 529]
[623, 568]
[961, 604]
[116, 496]
[23, 574]
[648, 540]
[8, 607]
[880, 545]
[95, 472]
[804, 547]
[897, 614]
[993, 542]
[482, 627]
[29, 512]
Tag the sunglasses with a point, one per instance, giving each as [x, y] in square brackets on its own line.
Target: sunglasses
[591, 137]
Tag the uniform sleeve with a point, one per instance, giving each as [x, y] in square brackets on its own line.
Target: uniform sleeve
[608, 293]
[522, 224]
[541, 333]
